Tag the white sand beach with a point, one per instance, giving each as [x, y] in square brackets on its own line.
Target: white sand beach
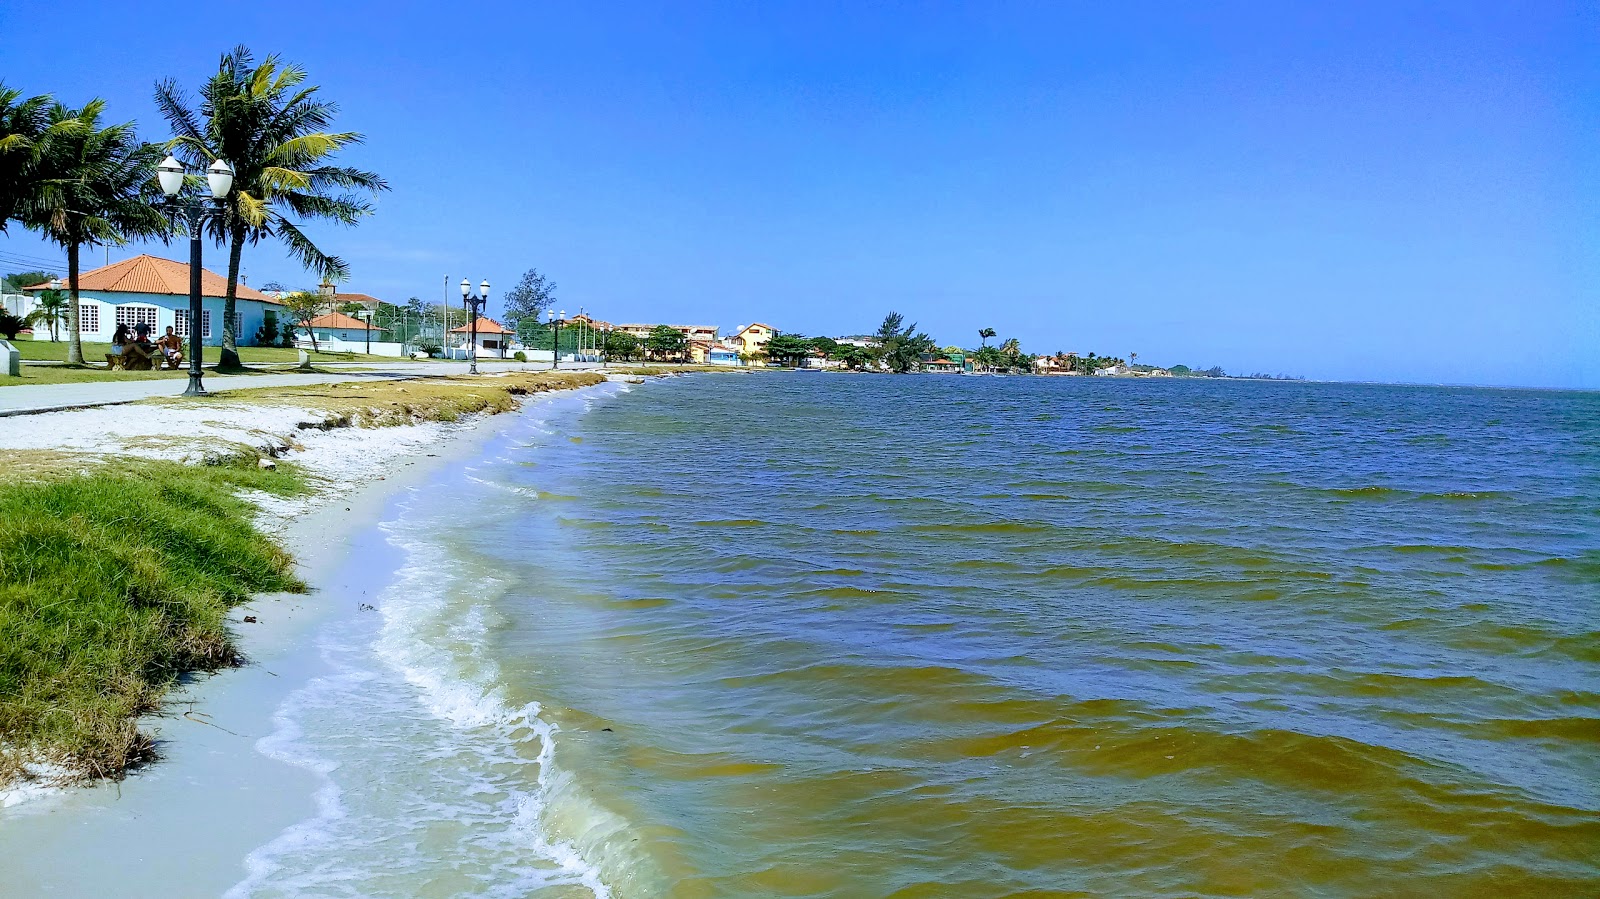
[192, 816]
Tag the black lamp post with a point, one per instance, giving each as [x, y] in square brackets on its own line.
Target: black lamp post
[219, 177]
[474, 305]
[555, 339]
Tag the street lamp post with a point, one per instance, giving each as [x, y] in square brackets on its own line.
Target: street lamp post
[367, 314]
[555, 336]
[475, 305]
[219, 178]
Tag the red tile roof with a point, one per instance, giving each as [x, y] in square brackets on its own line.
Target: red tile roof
[340, 320]
[485, 326]
[152, 274]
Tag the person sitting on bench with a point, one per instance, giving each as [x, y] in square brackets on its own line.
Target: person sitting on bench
[136, 355]
[119, 341]
[172, 347]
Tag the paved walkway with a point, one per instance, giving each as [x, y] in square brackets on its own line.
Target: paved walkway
[24, 400]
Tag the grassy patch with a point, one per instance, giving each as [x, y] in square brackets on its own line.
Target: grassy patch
[112, 584]
[380, 403]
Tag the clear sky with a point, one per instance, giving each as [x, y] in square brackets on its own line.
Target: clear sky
[1380, 190]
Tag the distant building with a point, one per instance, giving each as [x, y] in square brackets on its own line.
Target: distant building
[365, 301]
[720, 354]
[493, 338]
[703, 333]
[338, 326]
[752, 339]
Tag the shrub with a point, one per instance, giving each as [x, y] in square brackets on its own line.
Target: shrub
[520, 356]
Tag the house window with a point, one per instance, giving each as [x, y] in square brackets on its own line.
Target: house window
[181, 323]
[133, 316]
[88, 316]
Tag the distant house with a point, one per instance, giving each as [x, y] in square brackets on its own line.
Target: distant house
[702, 333]
[752, 339]
[720, 354]
[338, 326]
[941, 365]
[333, 298]
[153, 291]
[493, 338]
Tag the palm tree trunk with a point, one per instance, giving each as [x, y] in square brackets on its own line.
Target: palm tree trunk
[230, 341]
[74, 339]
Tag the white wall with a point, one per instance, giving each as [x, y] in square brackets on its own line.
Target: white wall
[379, 347]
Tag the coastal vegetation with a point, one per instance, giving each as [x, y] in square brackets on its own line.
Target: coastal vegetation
[112, 584]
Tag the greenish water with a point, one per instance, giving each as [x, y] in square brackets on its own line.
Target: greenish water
[825, 635]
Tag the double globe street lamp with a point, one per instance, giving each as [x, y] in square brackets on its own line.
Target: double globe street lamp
[555, 339]
[219, 177]
[475, 305]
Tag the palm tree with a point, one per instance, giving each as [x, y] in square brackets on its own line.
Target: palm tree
[50, 311]
[95, 187]
[985, 334]
[22, 125]
[272, 130]
[1134, 357]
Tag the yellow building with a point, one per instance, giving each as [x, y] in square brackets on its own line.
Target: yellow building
[751, 339]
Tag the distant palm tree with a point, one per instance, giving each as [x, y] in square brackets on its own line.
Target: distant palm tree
[985, 334]
[1134, 357]
[273, 132]
[50, 311]
[95, 187]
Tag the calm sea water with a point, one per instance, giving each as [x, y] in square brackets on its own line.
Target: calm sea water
[826, 635]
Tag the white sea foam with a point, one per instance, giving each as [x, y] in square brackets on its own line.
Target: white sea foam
[416, 744]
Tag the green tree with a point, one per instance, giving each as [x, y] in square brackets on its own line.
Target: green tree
[902, 345]
[666, 342]
[15, 281]
[23, 123]
[854, 357]
[95, 187]
[827, 346]
[988, 358]
[303, 306]
[789, 349]
[528, 300]
[985, 334]
[273, 130]
[50, 310]
[621, 345]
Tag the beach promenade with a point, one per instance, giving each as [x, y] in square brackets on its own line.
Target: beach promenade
[24, 400]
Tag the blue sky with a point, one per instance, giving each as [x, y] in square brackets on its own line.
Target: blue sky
[1376, 190]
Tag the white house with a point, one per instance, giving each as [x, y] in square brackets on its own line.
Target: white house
[338, 326]
[154, 291]
[494, 339]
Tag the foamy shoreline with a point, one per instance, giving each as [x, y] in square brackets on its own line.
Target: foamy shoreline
[211, 791]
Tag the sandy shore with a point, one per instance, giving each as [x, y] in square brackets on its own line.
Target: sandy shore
[184, 824]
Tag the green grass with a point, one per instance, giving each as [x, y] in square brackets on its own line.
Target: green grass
[112, 584]
[56, 351]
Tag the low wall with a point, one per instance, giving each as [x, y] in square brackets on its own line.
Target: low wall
[378, 347]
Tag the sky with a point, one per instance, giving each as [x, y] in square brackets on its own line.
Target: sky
[1386, 190]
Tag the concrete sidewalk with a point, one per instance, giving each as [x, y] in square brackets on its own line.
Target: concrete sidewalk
[25, 400]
